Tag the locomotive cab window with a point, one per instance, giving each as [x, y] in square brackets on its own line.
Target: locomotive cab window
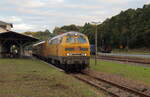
[70, 40]
[81, 39]
[76, 39]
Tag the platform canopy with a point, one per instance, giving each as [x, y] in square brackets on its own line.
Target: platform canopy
[14, 36]
[10, 38]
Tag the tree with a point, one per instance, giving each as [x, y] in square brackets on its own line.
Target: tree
[42, 35]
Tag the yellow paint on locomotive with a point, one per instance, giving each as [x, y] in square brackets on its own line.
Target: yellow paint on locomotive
[59, 49]
[77, 48]
[67, 48]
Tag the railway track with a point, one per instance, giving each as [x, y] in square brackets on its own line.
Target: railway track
[112, 88]
[125, 59]
[97, 85]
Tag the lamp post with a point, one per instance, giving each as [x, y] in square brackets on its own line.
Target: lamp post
[96, 23]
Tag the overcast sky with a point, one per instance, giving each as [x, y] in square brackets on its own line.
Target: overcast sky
[35, 15]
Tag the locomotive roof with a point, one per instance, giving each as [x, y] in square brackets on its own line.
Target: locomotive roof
[67, 33]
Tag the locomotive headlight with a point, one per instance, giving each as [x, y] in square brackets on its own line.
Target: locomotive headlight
[68, 54]
[84, 54]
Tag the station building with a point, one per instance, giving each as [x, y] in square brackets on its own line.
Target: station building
[12, 44]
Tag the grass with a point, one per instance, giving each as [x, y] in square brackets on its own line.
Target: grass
[133, 72]
[133, 51]
[33, 78]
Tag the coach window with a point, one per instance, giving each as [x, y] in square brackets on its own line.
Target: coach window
[55, 41]
[50, 42]
[59, 40]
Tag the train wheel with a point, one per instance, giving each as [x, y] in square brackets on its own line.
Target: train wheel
[49, 60]
[66, 68]
[77, 68]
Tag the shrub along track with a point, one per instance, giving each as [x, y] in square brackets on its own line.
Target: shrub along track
[113, 88]
[125, 59]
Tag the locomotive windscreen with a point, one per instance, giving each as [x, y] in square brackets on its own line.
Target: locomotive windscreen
[76, 39]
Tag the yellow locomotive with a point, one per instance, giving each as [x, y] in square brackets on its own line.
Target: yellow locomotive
[70, 51]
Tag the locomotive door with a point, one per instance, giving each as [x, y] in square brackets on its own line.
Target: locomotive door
[58, 46]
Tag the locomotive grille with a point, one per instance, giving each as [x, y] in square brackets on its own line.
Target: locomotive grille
[84, 49]
[69, 49]
[76, 49]
[76, 54]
